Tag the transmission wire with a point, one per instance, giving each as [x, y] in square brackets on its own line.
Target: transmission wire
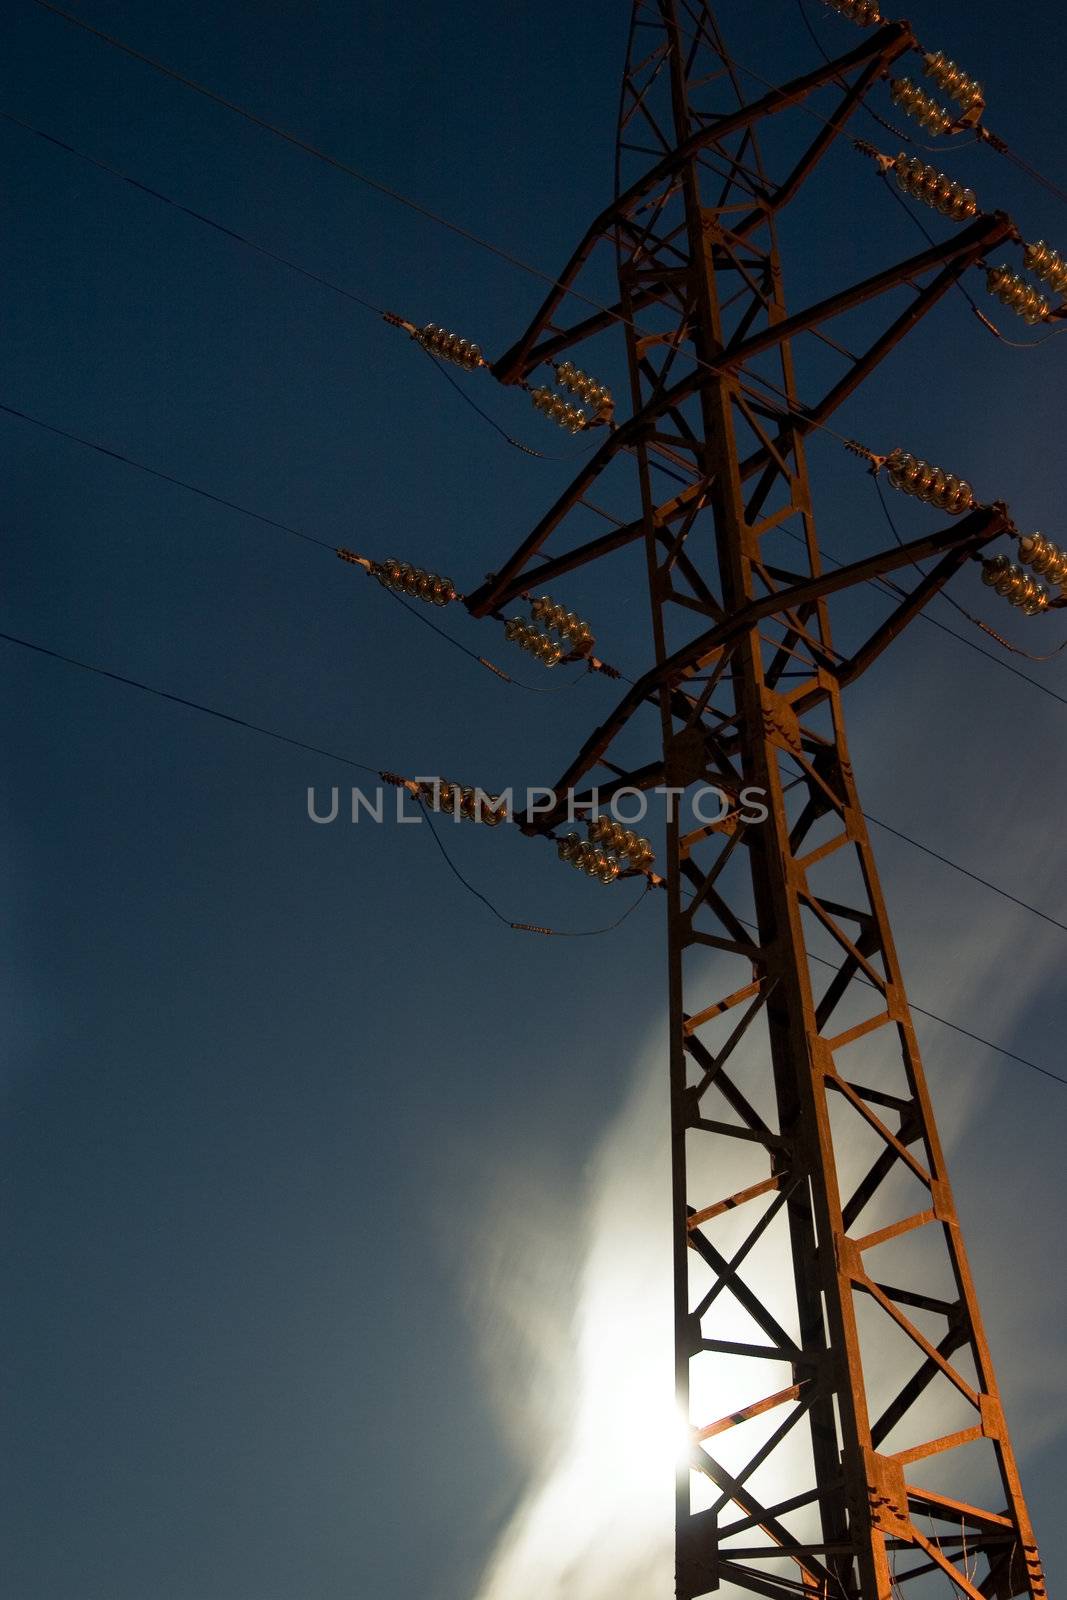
[271, 522]
[271, 733]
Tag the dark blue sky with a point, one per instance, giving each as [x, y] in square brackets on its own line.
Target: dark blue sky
[280, 1097]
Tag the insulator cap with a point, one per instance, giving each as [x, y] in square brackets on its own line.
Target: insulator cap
[1014, 292]
[1015, 585]
[585, 387]
[1048, 264]
[569, 626]
[911, 475]
[936, 189]
[559, 410]
[1045, 558]
[918, 104]
[538, 644]
[621, 842]
[967, 91]
[415, 581]
[449, 346]
[864, 13]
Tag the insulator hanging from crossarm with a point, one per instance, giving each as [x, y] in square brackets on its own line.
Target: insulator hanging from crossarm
[558, 410]
[610, 835]
[918, 104]
[1014, 291]
[911, 475]
[916, 177]
[864, 13]
[532, 640]
[405, 578]
[1015, 585]
[964, 89]
[569, 626]
[585, 855]
[597, 395]
[1045, 558]
[1048, 264]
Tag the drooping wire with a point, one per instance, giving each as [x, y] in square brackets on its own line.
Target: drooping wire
[312, 749]
[517, 444]
[526, 927]
[898, 133]
[987, 322]
[526, 449]
[483, 661]
[887, 586]
[271, 733]
[982, 135]
[1006, 644]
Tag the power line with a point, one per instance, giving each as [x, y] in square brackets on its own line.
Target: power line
[197, 216]
[192, 705]
[262, 250]
[333, 755]
[967, 873]
[457, 644]
[313, 749]
[528, 927]
[442, 221]
[294, 266]
[166, 477]
[416, 206]
[257, 516]
[302, 144]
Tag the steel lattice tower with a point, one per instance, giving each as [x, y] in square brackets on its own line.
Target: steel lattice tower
[794, 1073]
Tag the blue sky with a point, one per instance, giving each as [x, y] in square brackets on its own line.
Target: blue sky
[308, 1161]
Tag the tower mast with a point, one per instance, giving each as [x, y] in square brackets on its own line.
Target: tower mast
[795, 1078]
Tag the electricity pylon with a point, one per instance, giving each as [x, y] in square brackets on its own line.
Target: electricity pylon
[793, 1059]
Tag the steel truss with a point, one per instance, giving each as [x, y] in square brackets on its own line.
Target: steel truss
[869, 1451]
